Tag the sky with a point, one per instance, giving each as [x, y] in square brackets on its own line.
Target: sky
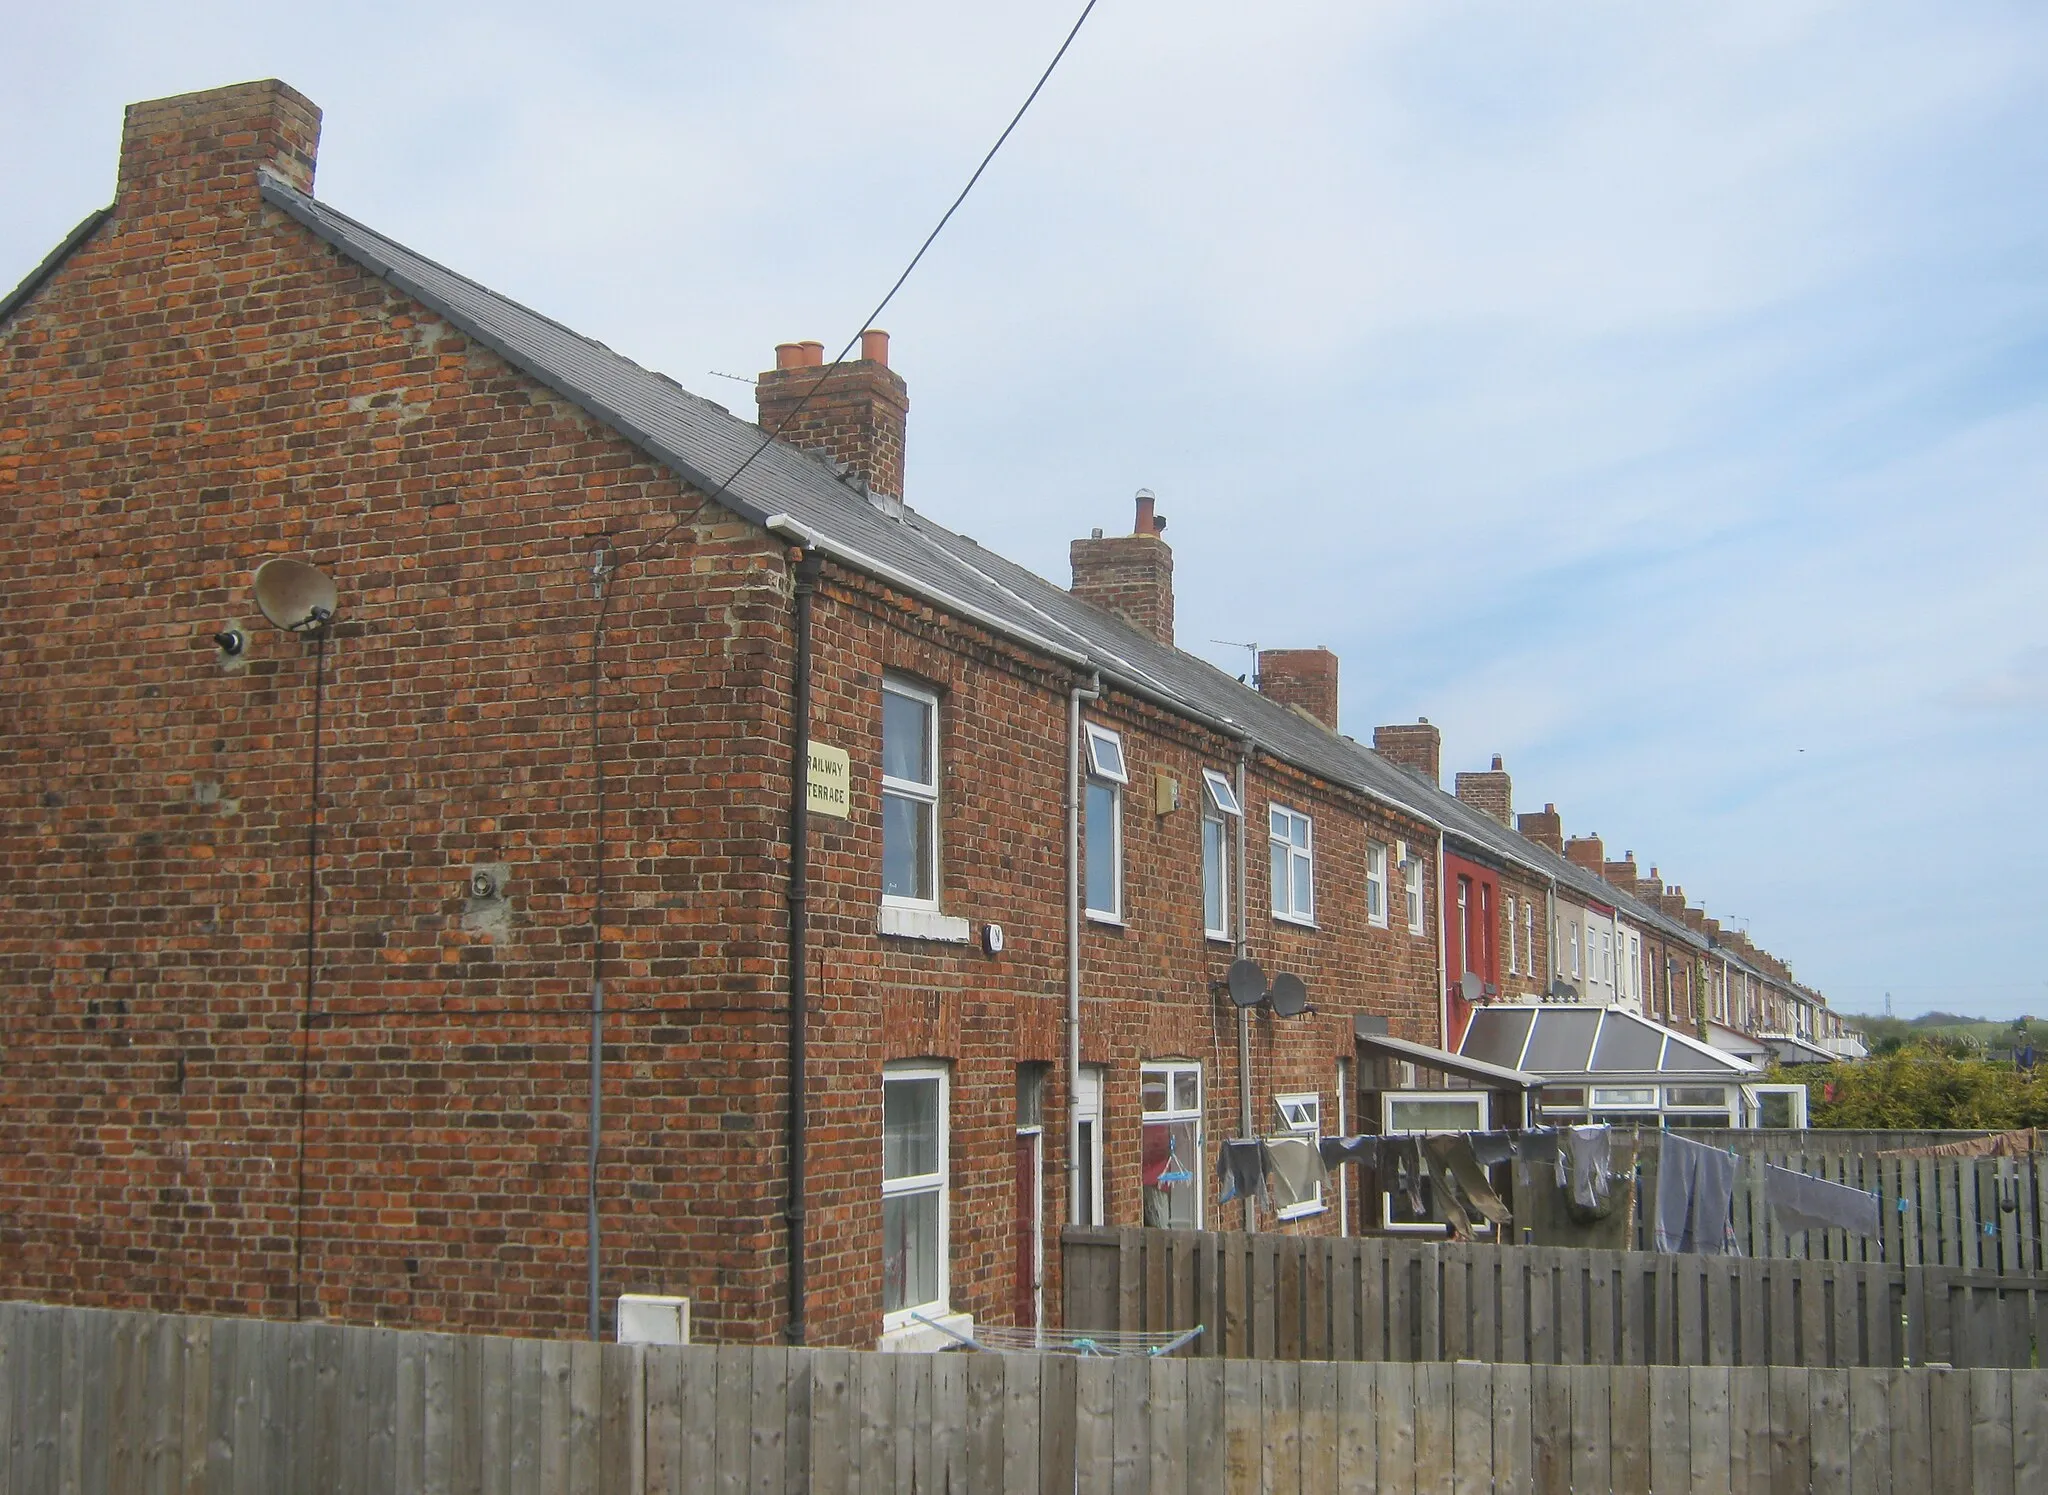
[1654, 395]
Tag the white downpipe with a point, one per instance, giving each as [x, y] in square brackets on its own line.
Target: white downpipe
[1244, 1017]
[1443, 960]
[1075, 1182]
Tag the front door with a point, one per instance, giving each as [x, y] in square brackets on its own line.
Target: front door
[1030, 1225]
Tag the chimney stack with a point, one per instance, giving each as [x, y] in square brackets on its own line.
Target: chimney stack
[1623, 873]
[1490, 793]
[195, 157]
[1419, 748]
[1129, 575]
[1588, 852]
[1545, 827]
[1306, 678]
[855, 414]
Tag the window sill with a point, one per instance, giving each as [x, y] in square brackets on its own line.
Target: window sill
[921, 924]
[1217, 939]
[1298, 923]
[912, 1337]
[1111, 920]
[1302, 1211]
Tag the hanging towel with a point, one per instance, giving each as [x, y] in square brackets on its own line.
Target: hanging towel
[1447, 1203]
[1241, 1169]
[1590, 1151]
[1803, 1202]
[1297, 1169]
[1695, 1186]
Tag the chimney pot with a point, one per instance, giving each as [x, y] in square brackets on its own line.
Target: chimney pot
[789, 355]
[814, 355]
[874, 346]
[1496, 762]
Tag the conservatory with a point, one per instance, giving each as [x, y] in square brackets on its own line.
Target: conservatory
[1606, 1064]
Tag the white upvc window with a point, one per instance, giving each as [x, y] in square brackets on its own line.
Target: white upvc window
[910, 795]
[1292, 841]
[1219, 808]
[1104, 830]
[914, 1193]
[1529, 934]
[1170, 1103]
[1425, 1111]
[1575, 949]
[1302, 1116]
[1513, 968]
[1411, 881]
[1376, 884]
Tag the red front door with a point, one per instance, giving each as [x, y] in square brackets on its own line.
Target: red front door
[1026, 1303]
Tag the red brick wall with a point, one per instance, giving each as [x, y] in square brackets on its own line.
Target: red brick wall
[200, 386]
[1146, 984]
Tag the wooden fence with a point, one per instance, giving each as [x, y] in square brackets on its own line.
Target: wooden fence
[1267, 1296]
[92, 1400]
[1979, 1214]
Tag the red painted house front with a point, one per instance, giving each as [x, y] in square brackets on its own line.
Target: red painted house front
[1471, 905]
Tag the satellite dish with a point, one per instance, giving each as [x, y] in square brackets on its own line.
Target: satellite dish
[1563, 990]
[293, 595]
[1290, 995]
[1247, 983]
[1470, 987]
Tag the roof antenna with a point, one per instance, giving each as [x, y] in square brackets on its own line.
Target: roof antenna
[1252, 675]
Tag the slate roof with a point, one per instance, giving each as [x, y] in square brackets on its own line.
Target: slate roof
[801, 495]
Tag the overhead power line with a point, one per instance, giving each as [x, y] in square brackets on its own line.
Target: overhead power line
[880, 306]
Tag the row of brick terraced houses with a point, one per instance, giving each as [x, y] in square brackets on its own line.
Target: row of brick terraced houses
[908, 882]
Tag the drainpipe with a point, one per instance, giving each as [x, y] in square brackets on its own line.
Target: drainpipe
[1443, 959]
[807, 569]
[1090, 692]
[1244, 1016]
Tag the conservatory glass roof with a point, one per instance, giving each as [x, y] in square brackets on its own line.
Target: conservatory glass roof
[1590, 1043]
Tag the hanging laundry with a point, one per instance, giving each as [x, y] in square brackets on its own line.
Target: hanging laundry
[1297, 1170]
[1536, 1151]
[1447, 1203]
[1241, 1170]
[2020, 1144]
[1590, 1151]
[1456, 1157]
[1491, 1149]
[1695, 1186]
[1406, 1160]
[1803, 1202]
[1364, 1151]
